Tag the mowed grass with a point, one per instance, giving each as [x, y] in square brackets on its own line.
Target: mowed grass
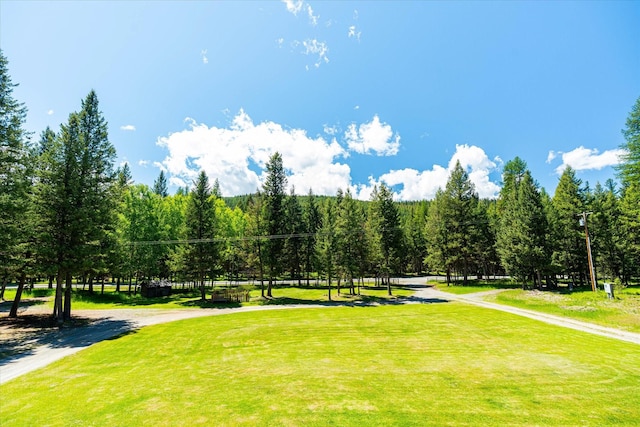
[83, 300]
[475, 286]
[437, 364]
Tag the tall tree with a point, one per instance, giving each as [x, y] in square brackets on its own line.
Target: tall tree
[202, 252]
[15, 185]
[607, 241]
[75, 197]
[630, 227]
[387, 227]
[312, 222]
[568, 239]
[629, 169]
[294, 228]
[326, 243]
[160, 185]
[522, 233]
[349, 233]
[274, 193]
[456, 236]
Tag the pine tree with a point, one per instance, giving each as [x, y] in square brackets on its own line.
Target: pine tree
[294, 227]
[274, 193]
[326, 243]
[160, 185]
[386, 220]
[15, 186]
[568, 240]
[75, 198]
[629, 169]
[459, 207]
[312, 222]
[202, 254]
[349, 238]
[522, 233]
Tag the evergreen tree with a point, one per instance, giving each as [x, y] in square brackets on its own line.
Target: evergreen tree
[312, 222]
[255, 232]
[202, 252]
[15, 186]
[568, 239]
[607, 242]
[386, 222]
[629, 169]
[294, 242]
[160, 185]
[274, 216]
[349, 233]
[327, 243]
[521, 240]
[630, 228]
[75, 191]
[458, 207]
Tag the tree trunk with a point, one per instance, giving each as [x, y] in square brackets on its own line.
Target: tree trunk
[388, 284]
[90, 284]
[57, 305]
[67, 296]
[102, 286]
[203, 297]
[16, 301]
[118, 284]
[2, 288]
[50, 281]
[269, 285]
[329, 286]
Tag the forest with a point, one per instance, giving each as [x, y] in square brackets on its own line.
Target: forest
[68, 213]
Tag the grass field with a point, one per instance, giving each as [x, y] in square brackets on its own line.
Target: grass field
[623, 312]
[437, 364]
[83, 300]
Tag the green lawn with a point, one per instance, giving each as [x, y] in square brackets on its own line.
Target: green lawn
[82, 300]
[437, 364]
[623, 312]
[475, 286]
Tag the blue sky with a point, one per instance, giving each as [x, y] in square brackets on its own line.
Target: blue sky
[351, 93]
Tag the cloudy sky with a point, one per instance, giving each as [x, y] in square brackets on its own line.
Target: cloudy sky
[350, 93]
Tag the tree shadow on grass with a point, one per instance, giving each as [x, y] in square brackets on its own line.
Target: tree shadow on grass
[27, 333]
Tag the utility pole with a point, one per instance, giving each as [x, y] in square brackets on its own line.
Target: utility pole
[583, 221]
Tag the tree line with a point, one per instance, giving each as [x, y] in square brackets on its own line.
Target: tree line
[68, 212]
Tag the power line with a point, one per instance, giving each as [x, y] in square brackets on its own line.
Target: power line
[222, 239]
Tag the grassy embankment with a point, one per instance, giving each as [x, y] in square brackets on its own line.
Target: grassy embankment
[435, 364]
[622, 312]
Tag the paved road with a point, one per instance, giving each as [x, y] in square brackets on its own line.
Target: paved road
[111, 323]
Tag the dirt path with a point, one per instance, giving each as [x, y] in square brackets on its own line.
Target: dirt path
[40, 349]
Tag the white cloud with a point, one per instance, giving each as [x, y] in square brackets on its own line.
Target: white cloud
[313, 19]
[203, 54]
[129, 128]
[293, 6]
[143, 163]
[589, 159]
[354, 33]
[280, 41]
[50, 113]
[373, 137]
[552, 155]
[316, 48]
[421, 185]
[236, 155]
[297, 6]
